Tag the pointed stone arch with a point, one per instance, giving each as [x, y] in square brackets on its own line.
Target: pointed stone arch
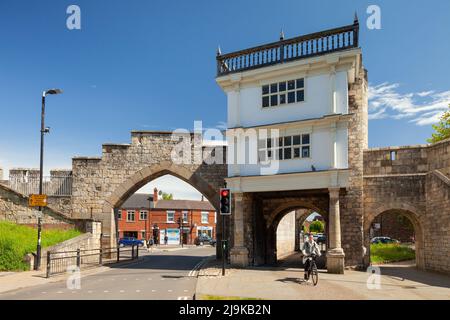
[409, 211]
[149, 173]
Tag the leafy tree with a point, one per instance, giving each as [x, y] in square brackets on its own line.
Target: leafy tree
[442, 128]
[167, 196]
[316, 226]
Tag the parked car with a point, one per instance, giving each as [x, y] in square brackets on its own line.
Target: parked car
[383, 240]
[130, 241]
[204, 239]
[321, 239]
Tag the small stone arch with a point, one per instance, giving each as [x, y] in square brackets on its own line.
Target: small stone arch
[278, 213]
[410, 212]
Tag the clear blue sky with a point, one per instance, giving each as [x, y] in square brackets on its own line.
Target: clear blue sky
[150, 65]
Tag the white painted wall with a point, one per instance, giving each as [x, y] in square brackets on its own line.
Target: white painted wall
[245, 110]
[244, 105]
[320, 151]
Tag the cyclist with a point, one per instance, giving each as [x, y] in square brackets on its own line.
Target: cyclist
[310, 247]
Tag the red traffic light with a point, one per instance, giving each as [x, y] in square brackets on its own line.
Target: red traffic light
[224, 193]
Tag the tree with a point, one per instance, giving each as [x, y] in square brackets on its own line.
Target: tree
[442, 128]
[167, 196]
[316, 226]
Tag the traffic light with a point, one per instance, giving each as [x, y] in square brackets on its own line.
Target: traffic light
[225, 201]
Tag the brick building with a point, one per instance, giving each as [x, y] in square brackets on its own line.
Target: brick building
[133, 217]
[142, 217]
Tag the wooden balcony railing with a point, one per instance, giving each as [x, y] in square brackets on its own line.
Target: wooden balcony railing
[301, 47]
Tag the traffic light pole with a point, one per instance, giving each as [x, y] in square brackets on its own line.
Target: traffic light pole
[224, 242]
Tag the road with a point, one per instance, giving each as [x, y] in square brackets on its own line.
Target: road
[159, 275]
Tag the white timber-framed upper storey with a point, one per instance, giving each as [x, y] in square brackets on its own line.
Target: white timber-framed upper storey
[298, 86]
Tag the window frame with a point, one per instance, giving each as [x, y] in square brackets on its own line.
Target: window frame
[167, 216]
[183, 213]
[273, 152]
[278, 93]
[133, 213]
[140, 215]
[207, 217]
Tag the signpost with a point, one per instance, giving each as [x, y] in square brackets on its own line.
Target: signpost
[37, 200]
[38, 214]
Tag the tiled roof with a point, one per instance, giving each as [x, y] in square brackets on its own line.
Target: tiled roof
[184, 205]
[137, 201]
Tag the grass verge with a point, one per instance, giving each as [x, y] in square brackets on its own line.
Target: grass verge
[384, 253]
[18, 240]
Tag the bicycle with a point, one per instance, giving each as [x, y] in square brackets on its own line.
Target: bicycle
[312, 272]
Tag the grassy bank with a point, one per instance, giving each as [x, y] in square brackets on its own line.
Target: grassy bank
[17, 240]
[383, 253]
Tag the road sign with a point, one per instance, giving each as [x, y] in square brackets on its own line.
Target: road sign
[37, 200]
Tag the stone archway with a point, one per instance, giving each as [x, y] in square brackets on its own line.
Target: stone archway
[103, 183]
[144, 176]
[278, 213]
[147, 174]
[411, 213]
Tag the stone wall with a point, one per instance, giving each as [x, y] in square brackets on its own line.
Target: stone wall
[14, 207]
[413, 181]
[393, 225]
[102, 184]
[61, 204]
[286, 235]
[351, 201]
[437, 223]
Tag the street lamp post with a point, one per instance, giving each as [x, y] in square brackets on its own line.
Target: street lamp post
[44, 130]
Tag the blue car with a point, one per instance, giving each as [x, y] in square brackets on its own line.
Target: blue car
[130, 241]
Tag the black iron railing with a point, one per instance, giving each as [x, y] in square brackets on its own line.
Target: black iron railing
[290, 49]
[63, 261]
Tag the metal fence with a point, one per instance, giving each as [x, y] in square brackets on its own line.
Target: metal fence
[52, 185]
[63, 261]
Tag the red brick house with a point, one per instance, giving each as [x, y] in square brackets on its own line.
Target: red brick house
[141, 217]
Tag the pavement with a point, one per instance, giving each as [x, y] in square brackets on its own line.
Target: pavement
[169, 273]
[285, 282]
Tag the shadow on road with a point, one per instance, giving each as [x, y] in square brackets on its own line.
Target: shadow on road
[163, 262]
[409, 272]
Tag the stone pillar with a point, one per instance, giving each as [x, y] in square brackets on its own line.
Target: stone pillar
[335, 254]
[239, 253]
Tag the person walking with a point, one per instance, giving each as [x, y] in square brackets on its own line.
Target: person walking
[166, 239]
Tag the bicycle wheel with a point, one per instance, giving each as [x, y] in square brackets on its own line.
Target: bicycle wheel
[314, 274]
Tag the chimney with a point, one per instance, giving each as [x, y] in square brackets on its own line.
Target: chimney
[203, 198]
[155, 195]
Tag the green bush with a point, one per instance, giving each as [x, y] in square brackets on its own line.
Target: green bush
[316, 226]
[382, 253]
[18, 240]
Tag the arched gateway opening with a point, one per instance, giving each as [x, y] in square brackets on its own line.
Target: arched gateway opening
[103, 184]
[397, 227]
[166, 212]
[293, 230]
[123, 192]
[286, 231]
